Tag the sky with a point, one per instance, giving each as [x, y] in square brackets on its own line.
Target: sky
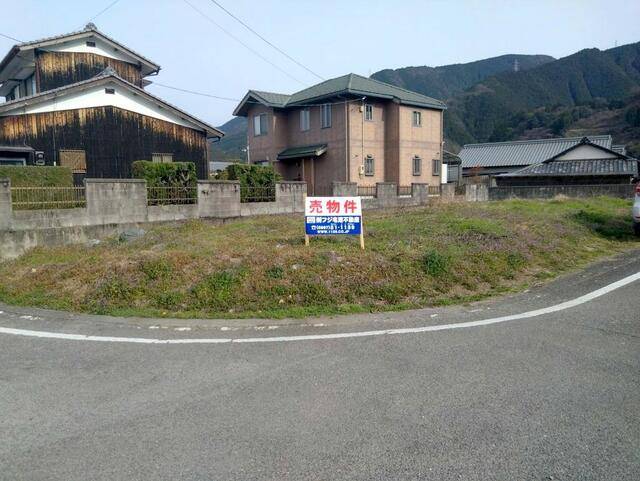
[329, 37]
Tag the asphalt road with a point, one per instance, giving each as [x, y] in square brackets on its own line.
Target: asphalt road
[555, 396]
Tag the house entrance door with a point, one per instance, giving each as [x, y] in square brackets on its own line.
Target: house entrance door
[308, 175]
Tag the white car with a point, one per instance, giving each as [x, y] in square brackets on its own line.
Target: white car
[636, 211]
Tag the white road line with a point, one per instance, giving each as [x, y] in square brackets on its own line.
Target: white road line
[343, 335]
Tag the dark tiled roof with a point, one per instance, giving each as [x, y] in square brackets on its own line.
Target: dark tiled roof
[303, 152]
[272, 98]
[522, 152]
[584, 167]
[357, 85]
[351, 84]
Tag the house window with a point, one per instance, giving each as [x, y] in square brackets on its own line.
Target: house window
[369, 167]
[90, 43]
[304, 120]
[16, 92]
[260, 125]
[30, 85]
[417, 118]
[368, 112]
[417, 165]
[162, 158]
[436, 166]
[110, 91]
[76, 160]
[326, 116]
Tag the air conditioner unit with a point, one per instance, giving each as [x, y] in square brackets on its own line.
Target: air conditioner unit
[361, 170]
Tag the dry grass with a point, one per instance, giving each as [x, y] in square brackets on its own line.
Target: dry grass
[260, 267]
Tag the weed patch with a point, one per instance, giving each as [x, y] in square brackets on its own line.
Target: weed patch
[260, 267]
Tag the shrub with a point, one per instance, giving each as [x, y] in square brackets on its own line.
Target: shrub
[251, 175]
[37, 176]
[434, 263]
[172, 174]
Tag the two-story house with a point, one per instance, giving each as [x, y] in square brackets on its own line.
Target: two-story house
[78, 100]
[348, 129]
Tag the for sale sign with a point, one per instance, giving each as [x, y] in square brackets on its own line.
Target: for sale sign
[333, 216]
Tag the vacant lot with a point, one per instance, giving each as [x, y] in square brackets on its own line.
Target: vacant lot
[260, 267]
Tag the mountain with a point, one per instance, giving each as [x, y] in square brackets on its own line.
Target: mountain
[592, 91]
[486, 111]
[230, 148]
[447, 80]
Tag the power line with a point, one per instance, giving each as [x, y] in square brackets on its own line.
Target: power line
[102, 11]
[265, 40]
[204, 15]
[195, 93]
[203, 94]
[10, 37]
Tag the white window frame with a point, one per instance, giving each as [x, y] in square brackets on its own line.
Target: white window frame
[162, 157]
[368, 112]
[369, 161]
[435, 166]
[260, 125]
[417, 160]
[325, 116]
[305, 120]
[417, 118]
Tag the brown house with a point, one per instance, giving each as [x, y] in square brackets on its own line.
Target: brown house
[78, 100]
[349, 129]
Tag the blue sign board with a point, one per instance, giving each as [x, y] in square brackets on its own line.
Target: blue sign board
[333, 216]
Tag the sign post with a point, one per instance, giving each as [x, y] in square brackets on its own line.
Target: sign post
[333, 216]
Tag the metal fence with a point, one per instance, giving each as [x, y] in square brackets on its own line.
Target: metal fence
[34, 198]
[249, 193]
[404, 190]
[435, 189]
[367, 190]
[176, 195]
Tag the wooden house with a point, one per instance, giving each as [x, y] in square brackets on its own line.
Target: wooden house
[78, 100]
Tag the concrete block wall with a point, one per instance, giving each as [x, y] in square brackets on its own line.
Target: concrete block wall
[111, 201]
[623, 191]
[5, 204]
[476, 192]
[345, 189]
[290, 196]
[447, 192]
[386, 195]
[218, 198]
[420, 193]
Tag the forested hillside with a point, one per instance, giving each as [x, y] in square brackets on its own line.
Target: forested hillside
[590, 92]
[447, 80]
[492, 109]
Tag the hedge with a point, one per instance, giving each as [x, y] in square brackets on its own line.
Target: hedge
[172, 174]
[37, 176]
[251, 175]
